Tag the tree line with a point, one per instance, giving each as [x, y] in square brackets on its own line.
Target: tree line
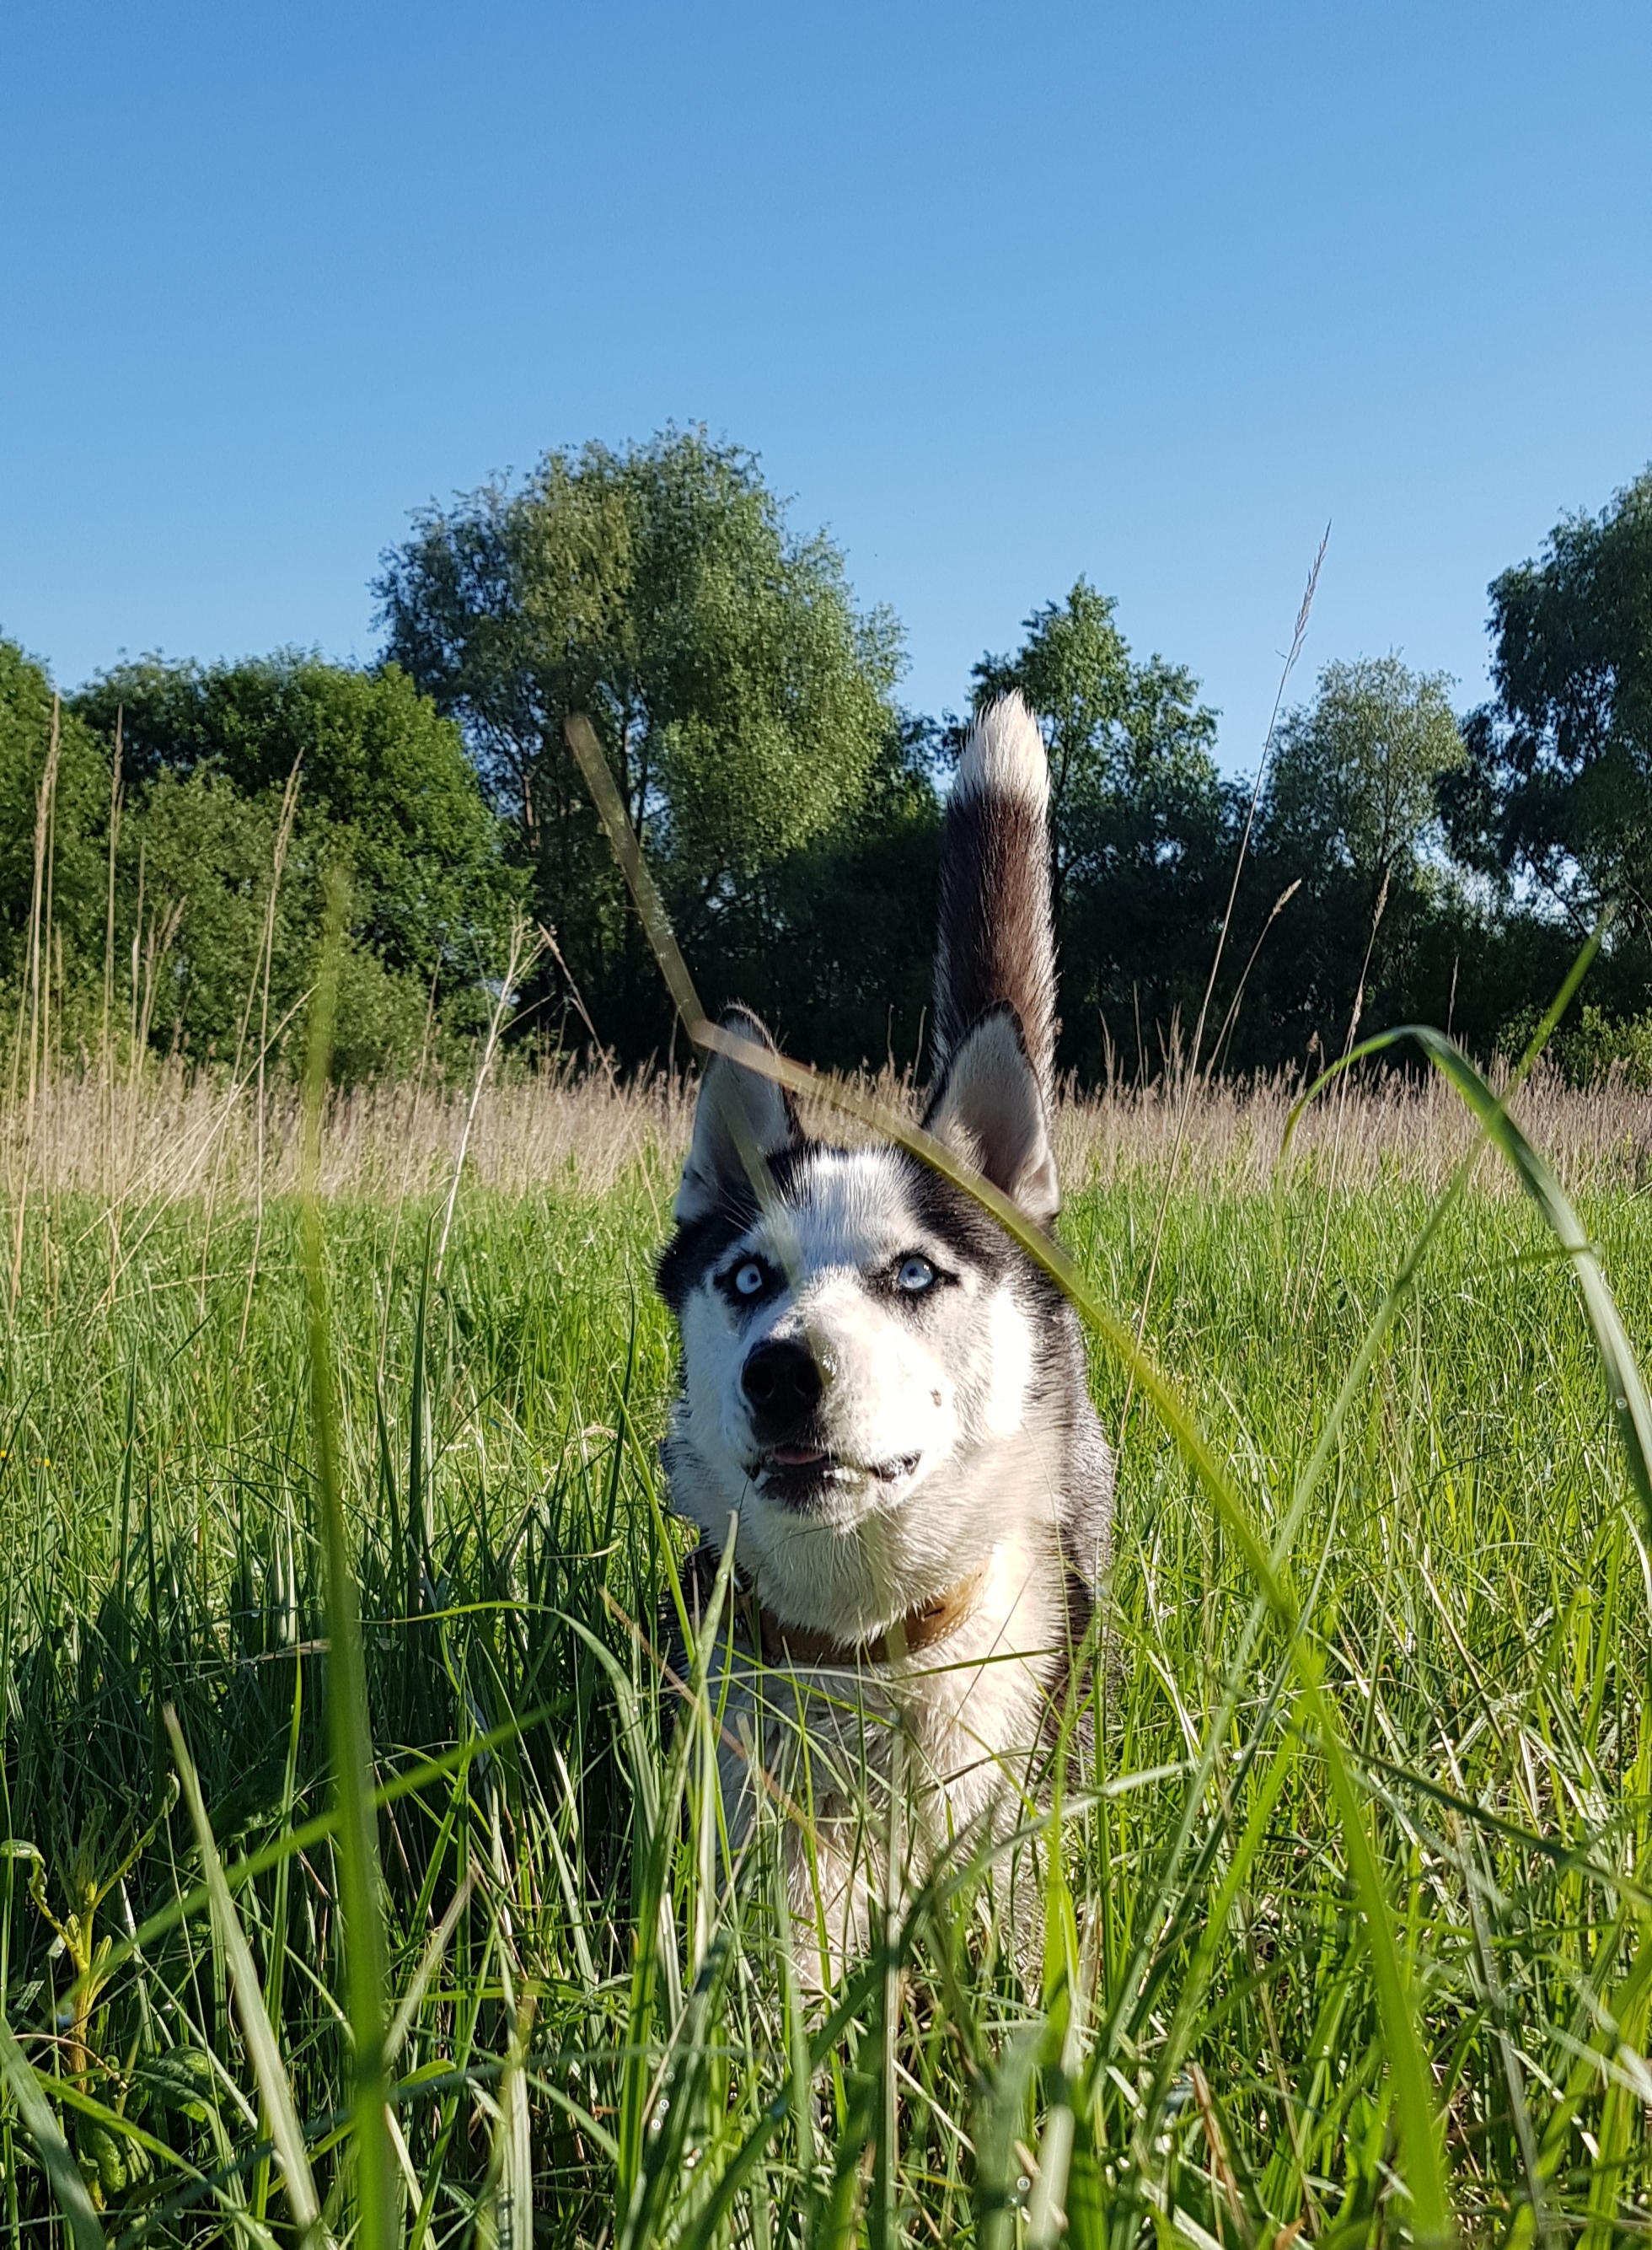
[165, 831]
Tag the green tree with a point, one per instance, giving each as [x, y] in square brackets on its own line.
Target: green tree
[1356, 774]
[740, 697]
[834, 944]
[1141, 820]
[1557, 790]
[76, 865]
[196, 859]
[386, 789]
[1349, 817]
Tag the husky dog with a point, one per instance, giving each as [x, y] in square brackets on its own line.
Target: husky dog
[888, 1398]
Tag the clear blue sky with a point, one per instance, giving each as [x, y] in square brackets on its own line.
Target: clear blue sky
[1000, 294]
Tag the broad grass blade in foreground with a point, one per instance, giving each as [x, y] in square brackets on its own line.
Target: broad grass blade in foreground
[67, 2186]
[1420, 2137]
[375, 2175]
[256, 2029]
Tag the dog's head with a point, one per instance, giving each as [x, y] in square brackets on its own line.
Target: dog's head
[860, 1340]
[871, 1377]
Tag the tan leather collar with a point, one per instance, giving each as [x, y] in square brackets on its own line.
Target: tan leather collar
[918, 1629]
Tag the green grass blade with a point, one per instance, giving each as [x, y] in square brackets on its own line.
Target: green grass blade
[346, 1675]
[67, 2186]
[429, 1961]
[256, 2028]
[293, 1841]
[123, 2128]
[1625, 1392]
[1420, 2140]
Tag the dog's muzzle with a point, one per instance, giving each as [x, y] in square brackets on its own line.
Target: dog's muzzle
[783, 1381]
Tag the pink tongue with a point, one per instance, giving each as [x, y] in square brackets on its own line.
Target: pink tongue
[795, 1457]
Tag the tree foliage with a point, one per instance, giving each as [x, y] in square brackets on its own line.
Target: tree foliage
[1139, 822]
[1559, 787]
[1399, 867]
[1349, 836]
[833, 944]
[76, 865]
[166, 897]
[1355, 777]
[741, 698]
[385, 790]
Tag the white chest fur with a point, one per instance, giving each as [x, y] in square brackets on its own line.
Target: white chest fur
[933, 1752]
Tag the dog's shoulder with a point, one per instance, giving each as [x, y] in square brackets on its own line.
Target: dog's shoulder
[1087, 1519]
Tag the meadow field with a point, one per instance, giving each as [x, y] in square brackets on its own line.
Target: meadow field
[592, 2031]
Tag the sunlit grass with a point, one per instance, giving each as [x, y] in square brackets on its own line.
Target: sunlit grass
[584, 2010]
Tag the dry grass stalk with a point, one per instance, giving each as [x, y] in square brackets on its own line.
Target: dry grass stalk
[525, 1131]
[106, 1059]
[524, 951]
[1192, 1081]
[39, 897]
[283, 837]
[20, 1138]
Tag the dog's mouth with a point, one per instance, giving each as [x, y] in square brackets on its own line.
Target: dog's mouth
[797, 1473]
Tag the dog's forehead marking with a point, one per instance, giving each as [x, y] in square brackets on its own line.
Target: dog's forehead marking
[844, 1206]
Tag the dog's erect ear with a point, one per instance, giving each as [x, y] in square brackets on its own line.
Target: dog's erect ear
[988, 1110]
[739, 1118]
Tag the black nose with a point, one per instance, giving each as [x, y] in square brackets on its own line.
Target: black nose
[782, 1383]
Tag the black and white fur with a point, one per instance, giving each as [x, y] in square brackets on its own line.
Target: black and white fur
[889, 1397]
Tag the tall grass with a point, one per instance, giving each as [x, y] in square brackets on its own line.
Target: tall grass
[588, 2013]
[178, 1131]
[362, 1867]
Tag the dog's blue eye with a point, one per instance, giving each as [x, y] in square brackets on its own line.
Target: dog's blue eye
[915, 1275]
[749, 1279]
